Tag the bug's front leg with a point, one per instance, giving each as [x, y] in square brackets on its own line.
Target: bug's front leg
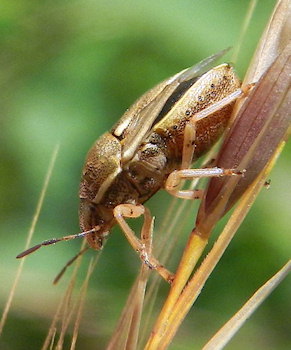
[141, 246]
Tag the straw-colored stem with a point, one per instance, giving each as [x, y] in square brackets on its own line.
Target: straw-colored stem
[192, 253]
[167, 326]
[81, 302]
[223, 336]
[29, 236]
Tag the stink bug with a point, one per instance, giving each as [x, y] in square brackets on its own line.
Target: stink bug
[151, 147]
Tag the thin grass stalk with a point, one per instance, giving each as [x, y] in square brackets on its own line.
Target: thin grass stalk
[119, 335]
[81, 301]
[169, 238]
[67, 316]
[138, 301]
[69, 308]
[53, 339]
[30, 234]
[126, 334]
[224, 335]
[245, 26]
[135, 325]
[60, 311]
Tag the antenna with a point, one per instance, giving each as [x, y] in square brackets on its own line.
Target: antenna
[56, 240]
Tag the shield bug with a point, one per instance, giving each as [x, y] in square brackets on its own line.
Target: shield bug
[151, 147]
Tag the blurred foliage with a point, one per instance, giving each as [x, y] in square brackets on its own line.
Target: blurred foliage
[68, 70]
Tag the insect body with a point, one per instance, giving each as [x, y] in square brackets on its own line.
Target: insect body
[165, 130]
[132, 161]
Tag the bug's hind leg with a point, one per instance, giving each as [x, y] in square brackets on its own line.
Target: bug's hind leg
[176, 178]
[141, 246]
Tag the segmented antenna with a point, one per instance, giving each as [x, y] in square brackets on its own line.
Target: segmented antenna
[56, 240]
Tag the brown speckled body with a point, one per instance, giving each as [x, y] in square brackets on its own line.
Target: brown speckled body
[132, 161]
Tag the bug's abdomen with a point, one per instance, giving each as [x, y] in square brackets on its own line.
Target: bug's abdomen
[207, 91]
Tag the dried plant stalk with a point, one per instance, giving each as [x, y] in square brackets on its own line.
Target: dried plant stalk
[62, 313]
[258, 131]
[29, 236]
[126, 334]
[81, 301]
[222, 337]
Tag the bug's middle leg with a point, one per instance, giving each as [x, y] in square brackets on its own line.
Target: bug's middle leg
[123, 211]
[176, 177]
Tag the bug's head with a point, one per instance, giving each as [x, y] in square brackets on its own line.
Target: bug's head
[90, 217]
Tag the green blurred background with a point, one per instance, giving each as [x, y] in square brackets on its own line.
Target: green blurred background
[68, 70]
